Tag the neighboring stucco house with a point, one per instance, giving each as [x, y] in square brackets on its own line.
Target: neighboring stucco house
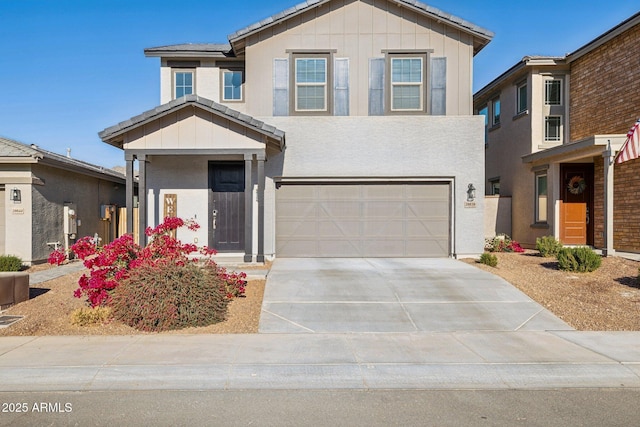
[550, 122]
[339, 128]
[48, 200]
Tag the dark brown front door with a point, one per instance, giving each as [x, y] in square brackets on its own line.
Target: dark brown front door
[226, 206]
[576, 204]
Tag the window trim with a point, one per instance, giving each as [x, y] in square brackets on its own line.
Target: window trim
[328, 84]
[519, 86]
[495, 101]
[175, 71]
[537, 211]
[560, 127]
[389, 84]
[222, 85]
[546, 100]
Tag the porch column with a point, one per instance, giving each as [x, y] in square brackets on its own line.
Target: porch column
[260, 256]
[129, 158]
[248, 208]
[608, 156]
[142, 199]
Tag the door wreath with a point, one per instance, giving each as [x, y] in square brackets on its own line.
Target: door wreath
[577, 185]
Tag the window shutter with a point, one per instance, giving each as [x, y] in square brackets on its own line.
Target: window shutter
[376, 86]
[438, 86]
[280, 87]
[341, 87]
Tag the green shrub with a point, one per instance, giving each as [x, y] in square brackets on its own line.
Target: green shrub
[489, 259]
[579, 259]
[548, 246]
[10, 263]
[170, 296]
[88, 316]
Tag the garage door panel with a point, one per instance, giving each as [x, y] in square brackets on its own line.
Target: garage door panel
[339, 209]
[360, 220]
[339, 229]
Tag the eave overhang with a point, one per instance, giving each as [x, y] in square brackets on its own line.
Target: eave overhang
[114, 135]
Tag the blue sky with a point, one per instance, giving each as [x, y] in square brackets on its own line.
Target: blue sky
[74, 67]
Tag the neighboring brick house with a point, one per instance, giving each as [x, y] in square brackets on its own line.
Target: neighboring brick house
[552, 154]
[331, 129]
[47, 200]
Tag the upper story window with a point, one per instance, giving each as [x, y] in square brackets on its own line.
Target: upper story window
[495, 111]
[183, 83]
[407, 84]
[553, 92]
[232, 85]
[521, 95]
[311, 84]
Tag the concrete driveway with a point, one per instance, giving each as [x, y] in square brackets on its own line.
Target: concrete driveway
[338, 295]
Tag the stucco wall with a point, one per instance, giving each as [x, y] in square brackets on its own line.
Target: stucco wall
[60, 187]
[359, 30]
[378, 147]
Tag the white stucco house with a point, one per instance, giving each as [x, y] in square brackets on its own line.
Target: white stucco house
[335, 128]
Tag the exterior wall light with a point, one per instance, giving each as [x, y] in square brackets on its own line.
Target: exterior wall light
[471, 193]
[16, 195]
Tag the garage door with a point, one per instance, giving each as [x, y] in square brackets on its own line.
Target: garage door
[363, 220]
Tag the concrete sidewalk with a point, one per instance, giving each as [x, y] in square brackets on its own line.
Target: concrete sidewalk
[500, 349]
[467, 360]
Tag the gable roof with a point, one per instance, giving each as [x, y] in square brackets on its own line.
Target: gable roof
[482, 35]
[112, 135]
[216, 50]
[12, 151]
[605, 37]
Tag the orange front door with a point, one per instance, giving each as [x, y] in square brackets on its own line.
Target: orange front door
[576, 204]
[573, 226]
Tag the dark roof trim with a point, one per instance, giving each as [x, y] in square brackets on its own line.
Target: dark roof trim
[524, 62]
[603, 38]
[432, 12]
[187, 50]
[110, 134]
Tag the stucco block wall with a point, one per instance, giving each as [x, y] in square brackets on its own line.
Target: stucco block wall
[60, 187]
[605, 85]
[377, 147]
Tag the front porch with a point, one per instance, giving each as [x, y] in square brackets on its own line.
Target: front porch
[580, 191]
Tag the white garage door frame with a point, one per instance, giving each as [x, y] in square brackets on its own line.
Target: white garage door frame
[449, 181]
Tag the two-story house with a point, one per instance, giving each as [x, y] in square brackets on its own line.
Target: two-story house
[553, 127]
[335, 128]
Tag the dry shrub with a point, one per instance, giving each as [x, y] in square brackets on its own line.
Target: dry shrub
[170, 296]
[88, 316]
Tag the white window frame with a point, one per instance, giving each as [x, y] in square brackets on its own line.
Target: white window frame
[494, 185]
[495, 118]
[174, 74]
[519, 97]
[547, 122]
[324, 84]
[547, 85]
[224, 73]
[541, 210]
[396, 84]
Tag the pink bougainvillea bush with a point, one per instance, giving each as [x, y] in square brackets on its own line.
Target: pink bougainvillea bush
[503, 243]
[113, 264]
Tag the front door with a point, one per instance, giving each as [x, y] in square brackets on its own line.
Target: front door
[576, 204]
[226, 206]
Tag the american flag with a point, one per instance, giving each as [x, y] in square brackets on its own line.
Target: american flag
[631, 148]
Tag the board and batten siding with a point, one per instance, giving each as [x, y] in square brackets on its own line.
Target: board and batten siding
[360, 32]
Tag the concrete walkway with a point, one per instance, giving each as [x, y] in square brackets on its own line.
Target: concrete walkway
[493, 354]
